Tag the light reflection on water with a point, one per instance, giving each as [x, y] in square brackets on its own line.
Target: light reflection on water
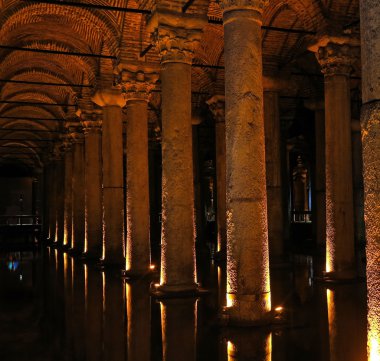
[95, 315]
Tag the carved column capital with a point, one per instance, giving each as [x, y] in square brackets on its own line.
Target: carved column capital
[75, 133]
[176, 35]
[255, 5]
[216, 105]
[336, 55]
[136, 81]
[91, 126]
[108, 98]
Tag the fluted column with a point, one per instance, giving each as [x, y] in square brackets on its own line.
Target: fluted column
[93, 189]
[248, 286]
[336, 60]
[112, 102]
[78, 224]
[68, 194]
[370, 124]
[217, 105]
[137, 82]
[273, 173]
[176, 46]
[48, 169]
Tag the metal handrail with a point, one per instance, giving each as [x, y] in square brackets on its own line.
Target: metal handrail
[20, 219]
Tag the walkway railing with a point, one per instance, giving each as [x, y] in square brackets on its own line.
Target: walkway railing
[19, 219]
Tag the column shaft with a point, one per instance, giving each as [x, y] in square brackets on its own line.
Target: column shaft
[370, 124]
[273, 174]
[340, 258]
[60, 177]
[93, 196]
[113, 198]
[248, 287]
[138, 217]
[52, 200]
[177, 240]
[68, 201]
[320, 178]
[78, 225]
[220, 154]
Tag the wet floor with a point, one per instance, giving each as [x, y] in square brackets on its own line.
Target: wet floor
[54, 307]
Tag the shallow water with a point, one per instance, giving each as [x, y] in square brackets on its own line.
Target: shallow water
[54, 307]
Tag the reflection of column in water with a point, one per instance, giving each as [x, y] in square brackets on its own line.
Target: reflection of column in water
[113, 317]
[347, 324]
[77, 315]
[179, 329]
[138, 316]
[59, 304]
[244, 345]
[93, 314]
[68, 293]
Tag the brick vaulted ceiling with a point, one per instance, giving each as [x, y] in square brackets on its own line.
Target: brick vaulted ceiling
[30, 24]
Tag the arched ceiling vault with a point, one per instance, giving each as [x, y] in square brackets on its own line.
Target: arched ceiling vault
[123, 35]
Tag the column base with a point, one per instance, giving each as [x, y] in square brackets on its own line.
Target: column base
[273, 317]
[175, 291]
[132, 274]
[339, 277]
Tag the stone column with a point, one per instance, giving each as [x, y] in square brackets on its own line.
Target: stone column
[93, 189]
[176, 46]
[248, 286]
[52, 198]
[46, 192]
[336, 59]
[217, 105]
[319, 219]
[59, 179]
[68, 194]
[357, 171]
[273, 174]
[112, 102]
[370, 123]
[78, 224]
[137, 81]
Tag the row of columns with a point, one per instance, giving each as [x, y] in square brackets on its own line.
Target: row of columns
[242, 177]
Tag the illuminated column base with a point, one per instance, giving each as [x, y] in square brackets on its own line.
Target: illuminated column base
[248, 283]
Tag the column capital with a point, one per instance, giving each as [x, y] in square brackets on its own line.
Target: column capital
[255, 5]
[176, 35]
[91, 126]
[58, 152]
[336, 54]
[216, 105]
[137, 80]
[109, 98]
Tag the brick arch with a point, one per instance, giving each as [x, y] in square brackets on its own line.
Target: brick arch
[93, 26]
